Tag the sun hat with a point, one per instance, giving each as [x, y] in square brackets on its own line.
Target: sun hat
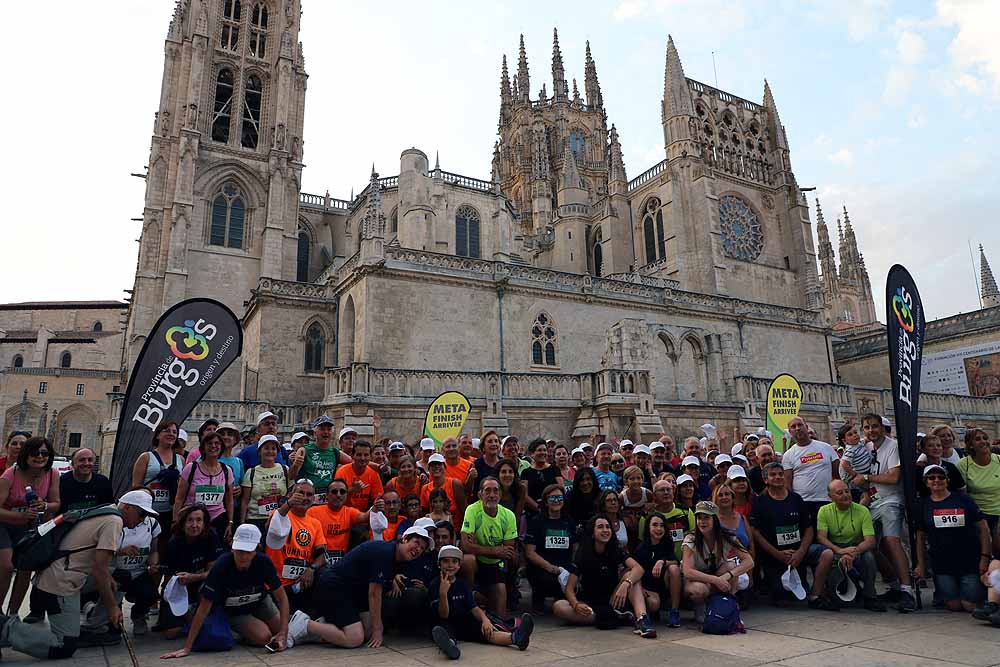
[706, 507]
[140, 499]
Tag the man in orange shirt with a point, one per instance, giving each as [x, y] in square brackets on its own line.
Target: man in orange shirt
[363, 482]
[456, 467]
[336, 519]
[296, 543]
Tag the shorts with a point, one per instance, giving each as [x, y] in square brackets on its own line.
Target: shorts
[888, 519]
[490, 574]
[264, 610]
[965, 587]
[10, 535]
[339, 604]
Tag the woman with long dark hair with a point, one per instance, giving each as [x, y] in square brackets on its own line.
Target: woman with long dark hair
[609, 503]
[158, 470]
[661, 571]
[191, 552]
[583, 497]
[714, 560]
[12, 448]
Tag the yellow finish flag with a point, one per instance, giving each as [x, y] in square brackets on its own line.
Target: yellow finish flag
[784, 398]
[446, 416]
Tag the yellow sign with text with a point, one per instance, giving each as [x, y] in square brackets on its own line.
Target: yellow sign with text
[446, 416]
[784, 398]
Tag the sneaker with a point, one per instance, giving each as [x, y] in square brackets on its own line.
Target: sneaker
[995, 619]
[445, 643]
[625, 617]
[823, 604]
[891, 595]
[874, 604]
[644, 627]
[522, 633]
[906, 602]
[298, 627]
[139, 627]
[986, 611]
[674, 618]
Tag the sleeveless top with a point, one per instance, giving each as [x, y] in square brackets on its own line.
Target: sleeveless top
[15, 497]
[643, 500]
[161, 499]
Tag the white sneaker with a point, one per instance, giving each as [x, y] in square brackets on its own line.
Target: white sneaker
[298, 627]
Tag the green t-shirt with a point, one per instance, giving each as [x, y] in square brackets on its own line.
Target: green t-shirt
[489, 531]
[266, 487]
[982, 483]
[320, 466]
[847, 528]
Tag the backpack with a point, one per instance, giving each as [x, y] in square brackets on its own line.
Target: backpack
[167, 477]
[253, 471]
[722, 616]
[194, 469]
[36, 550]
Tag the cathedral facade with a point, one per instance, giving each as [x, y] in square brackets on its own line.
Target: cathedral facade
[562, 297]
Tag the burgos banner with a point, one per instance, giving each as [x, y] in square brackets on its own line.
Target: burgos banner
[446, 416]
[190, 347]
[784, 398]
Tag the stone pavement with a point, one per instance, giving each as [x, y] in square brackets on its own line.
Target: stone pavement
[781, 637]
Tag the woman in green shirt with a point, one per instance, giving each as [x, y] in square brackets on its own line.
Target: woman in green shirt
[981, 470]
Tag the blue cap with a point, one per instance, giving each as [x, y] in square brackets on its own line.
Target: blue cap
[321, 420]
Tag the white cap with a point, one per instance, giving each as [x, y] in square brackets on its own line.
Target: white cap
[709, 429]
[344, 431]
[264, 415]
[605, 445]
[642, 449]
[246, 538]
[176, 595]
[584, 445]
[227, 426]
[139, 499]
[736, 471]
[182, 435]
[791, 582]
[753, 436]
[299, 434]
[449, 551]
[935, 466]
[435, 458]
[690, 461]
[506, 438]
[737, 449]
[886, 422]
[723, 458]
[656, 444]
[268, 438]
[421, 532]
[475, 443]
[397, 447]
[703, 442]
[684, 478]
[424, 522]
[921, 434]
[624, 442]
[427, 444]
[742, 460]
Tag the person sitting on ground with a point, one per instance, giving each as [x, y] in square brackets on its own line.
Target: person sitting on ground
[610, 584]
[489, 534]
[245, 584]
[661, 570]
[715, 561]
[846, 528]
[549, 545]
[296, 544]
[454, 608]
[959, 540]
[337, 519]
[191, 551]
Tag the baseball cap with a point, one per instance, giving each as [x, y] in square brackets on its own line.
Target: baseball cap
[706, 507]
[685, 478]
[344, 431]
[182, 435]
[656, 444]
[626, 443]
[397, 447]
[176, 595]
[886, 422]
[435, 458]
[935, 466]
[741, 460]
[246, 538]
[577, 450]
[139, 499]
[753, 437]
[737, 449]
[268, 438]
[299, 434]
[736, 471]
[506, 438]
[321, 420]
[584, 445]
[424, 522]
[449, 551]
[723, 458]
[475, 443]
[792, 582]
[427, 443]
[227, 426]
[264, 415]
[419, 532]
[605, 445]
[691, 461]
[642, 449]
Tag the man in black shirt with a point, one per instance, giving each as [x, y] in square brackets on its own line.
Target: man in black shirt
[765, 455]
[82, 487]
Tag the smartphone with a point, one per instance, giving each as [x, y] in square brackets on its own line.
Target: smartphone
[272, 646]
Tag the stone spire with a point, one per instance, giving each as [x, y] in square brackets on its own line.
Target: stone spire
[542, 94]
[373, 222]
[676, 98]
[775, 129]
[990, 293]
[523, 80]
[590, 83]
[22, 413]
[827, 262]
[505, 91]
[576, 93]
[43, 418]
[617, 180]
[570, 171]
[825, 247]
[560, 91]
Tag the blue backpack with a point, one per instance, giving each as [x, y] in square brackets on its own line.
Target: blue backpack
[722, 616]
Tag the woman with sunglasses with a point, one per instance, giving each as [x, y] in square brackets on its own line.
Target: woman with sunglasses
[209, 482]
[12, 448]
[17, 515]
[959, 539]
[549, 545]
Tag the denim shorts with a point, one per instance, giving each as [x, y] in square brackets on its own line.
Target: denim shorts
[966, 587]
[888, 519]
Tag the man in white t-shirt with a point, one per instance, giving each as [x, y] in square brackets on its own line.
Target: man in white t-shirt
[809, 466]
[885, 489]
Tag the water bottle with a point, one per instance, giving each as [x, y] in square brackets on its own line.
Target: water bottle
[30, 497]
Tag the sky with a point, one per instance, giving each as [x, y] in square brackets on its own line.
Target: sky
[890, 109]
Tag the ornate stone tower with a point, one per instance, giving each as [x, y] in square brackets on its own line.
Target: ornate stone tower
[990, 293]
[847, 292]
[225, 160]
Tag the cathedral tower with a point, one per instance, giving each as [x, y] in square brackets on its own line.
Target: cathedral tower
[225, 161]
[990, 294]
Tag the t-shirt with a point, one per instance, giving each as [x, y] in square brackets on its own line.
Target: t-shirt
[553, 539]
[951, 526]
[319, 466]
[886, 457]
[251, 458]
[77, 495]
[191, 557]
[461, 602]
[607, 480]
[812, 470]
[782, 522]
[757, 483]
[66, 576]
[208, 490]
[489, 531]
[458, 471]
[364, 498]
[424, 567]
[680, 522]
[598, 573]
[18, 489]
[539, 479]
[845, 528]
[336, 526]
[266, 487]
[141, 537]
[483, 470]
[707, 561]
[859, 457]
[236, 466]
[304, 539]
[367, 563]
[647, 554]
[397, 485]
[235, 589]
[983, 483]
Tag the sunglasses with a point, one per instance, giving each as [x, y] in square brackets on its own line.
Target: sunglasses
[41, 453]
[555, 499]
[939, 478]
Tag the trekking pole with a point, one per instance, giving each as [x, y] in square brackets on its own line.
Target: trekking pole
[128, 647]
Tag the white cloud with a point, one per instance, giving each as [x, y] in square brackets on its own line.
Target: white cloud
[969, 83]
[863, 17]
[975, 47]
[843, 156]
[916, 118]
[911, 48]
[898, 82]
[628, 9]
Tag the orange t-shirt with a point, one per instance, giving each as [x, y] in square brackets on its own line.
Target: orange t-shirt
[389, 534]
[396, 484]
[336, 526]
[363, 499]
[458, 471]
[449, 489]
[299, 550]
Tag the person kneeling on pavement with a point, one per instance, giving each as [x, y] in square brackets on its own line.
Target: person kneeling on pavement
[460, 618]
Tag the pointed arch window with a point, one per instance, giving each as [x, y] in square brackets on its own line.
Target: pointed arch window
[258, 31]
[315, 346]
[598, 253]
[223, 105]
[302, 258]
[543, 341]
[230, 38]
[252, 94]
[653, 232]
[467, 232]
[18, 361]
[66, 360]
[228, 218]
[578, 144]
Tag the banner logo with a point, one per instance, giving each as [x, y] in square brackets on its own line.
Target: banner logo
[446, 416]
[195, 346]
[901, 304]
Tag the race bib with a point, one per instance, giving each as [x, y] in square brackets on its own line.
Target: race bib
[160, 495]
[557, 540]
[134, 564]
[293, 568]
[677, 534]
[209, 494]
[333, 557]
[268, 504]
[787, 535]
[240, 600]
[949, 518]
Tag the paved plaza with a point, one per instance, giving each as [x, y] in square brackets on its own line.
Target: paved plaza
[785, 637]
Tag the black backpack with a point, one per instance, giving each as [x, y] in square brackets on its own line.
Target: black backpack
[39, 548]
[168, 475]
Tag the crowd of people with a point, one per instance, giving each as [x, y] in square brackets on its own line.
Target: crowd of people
[339, 540]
